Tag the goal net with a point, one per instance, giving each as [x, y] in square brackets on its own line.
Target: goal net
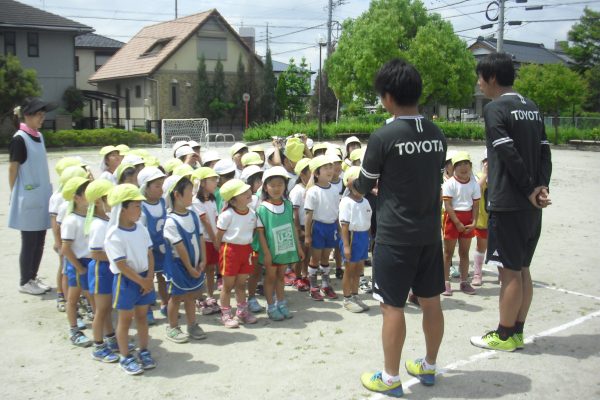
[184, 129]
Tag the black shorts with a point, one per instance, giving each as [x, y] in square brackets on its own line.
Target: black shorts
[513, 237]
[397, 269]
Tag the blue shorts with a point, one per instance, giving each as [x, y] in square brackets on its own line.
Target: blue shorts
[100, 277]
[179, 281]
[359, 246]
[159, 259]
[77, 280]
[127, 294]
[324, 236]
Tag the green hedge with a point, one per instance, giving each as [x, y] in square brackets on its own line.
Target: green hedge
[452, 130]
[97, 137]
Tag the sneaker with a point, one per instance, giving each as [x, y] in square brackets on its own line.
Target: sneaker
[412, 298]
[492, 341]
[163, 311]
[365, 285]
[351, 305]
[204, 308]
[104, 354]
[315, 294]
[81, 325]
[150, 317]
[448, 290]
[360, 303]
[61, 304]
[89, 314]
[212, 303]
[176, 335]
[146, 360]
[274, 313]
[289, 278]
[454, 272]
[196, 332]
[476, 281]
[243, 315]
[306, 283]
[519, 343]
[227, 320]
[219, 284]
[130, 365]
[374, 383]
[329, 292]
[112, 344]
[466, 288]
[339, 273]
[79, 339]
[42, 285]
[260, 289]
[31, 288]
[284, 310]
[254, 306]
[417, 369]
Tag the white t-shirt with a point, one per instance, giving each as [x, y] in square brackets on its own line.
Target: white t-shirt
[356, 213]
[297, 199]
[72, 230]
[131, 245]
[97, 234]
[208, 208]
[172, 233]
[339, 187]
[55, 201]
[239, 228]
[254, 203]
[461, 194]
[108, 176]
[323, 202]
[62, 212]
[291, 182]
[156, 210]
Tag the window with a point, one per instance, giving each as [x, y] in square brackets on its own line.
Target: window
[10, 43]
[101, 59]
[76, 63]
[156, 47]
[138, 91]
[33, 44]
[173, 95]
[212, 48]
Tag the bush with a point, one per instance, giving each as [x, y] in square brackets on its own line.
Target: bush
[97, 137]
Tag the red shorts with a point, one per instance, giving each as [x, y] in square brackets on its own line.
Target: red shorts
[235, 259]
[481, 233]
[212, 255]
[450, 231]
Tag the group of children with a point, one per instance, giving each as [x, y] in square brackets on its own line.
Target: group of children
[198, 224]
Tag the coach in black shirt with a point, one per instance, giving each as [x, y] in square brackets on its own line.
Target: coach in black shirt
[519, 169]
[405, 157]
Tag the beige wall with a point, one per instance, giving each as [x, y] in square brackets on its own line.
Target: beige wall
[87, 67]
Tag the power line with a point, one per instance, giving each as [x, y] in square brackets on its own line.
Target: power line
[320, 26]
[294, 50]
[448, 5]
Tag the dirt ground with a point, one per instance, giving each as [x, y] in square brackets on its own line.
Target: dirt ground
[322, 351]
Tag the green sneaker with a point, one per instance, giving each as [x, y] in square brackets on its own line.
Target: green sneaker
[175, 335]
[518, 338]
[492, 341]
[374, 382]
[416, 369]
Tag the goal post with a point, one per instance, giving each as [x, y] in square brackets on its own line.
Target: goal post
[173, 130]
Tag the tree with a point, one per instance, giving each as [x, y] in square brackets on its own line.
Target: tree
[268, 100]
[16, 84]
[381, 33]
[446, 65]
[74, 103]
[554, 88]
[218, 104]
[238, 91]
[252, 89]
[293, 88]
[328, 100]
[584, 49]
[203, 91]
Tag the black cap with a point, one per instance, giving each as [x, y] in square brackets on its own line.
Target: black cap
[34, 105]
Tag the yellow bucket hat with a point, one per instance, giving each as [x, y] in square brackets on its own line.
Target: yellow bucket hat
[294, 149]
[71, 187]
[95, 190]
[236, 148]
[233, 188]
[124, 192]
[183, 170]
[123, 149]
[120, 169]
[460, 156]
[139, 152]
[71, 172]
[66, 162]
[171, 164]
[319, 161]
[204, 173]
[357, 154]
[257, 149]
[151, 161]
[320, 146]
[351, 173]
[300, 165]
[107, 149]
[251, 158]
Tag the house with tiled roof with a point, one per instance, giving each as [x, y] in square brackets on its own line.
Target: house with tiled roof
[42, 41]
[91, 52]
[155, 73]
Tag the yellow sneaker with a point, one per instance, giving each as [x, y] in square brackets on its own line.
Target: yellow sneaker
[417, 369]
[374, 382]
[518, 339]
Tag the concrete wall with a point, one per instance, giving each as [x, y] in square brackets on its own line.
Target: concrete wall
[87, 67]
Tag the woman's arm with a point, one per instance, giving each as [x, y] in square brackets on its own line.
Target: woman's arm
[13, 170]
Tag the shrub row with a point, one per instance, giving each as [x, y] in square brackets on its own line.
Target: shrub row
[98, 137]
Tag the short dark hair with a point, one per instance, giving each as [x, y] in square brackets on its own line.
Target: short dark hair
[401, 80]
[180, 187]
[498, 65]
[81, 189]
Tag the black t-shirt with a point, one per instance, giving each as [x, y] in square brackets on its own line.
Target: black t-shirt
[406, 157]
[17, 150]
[518, 152]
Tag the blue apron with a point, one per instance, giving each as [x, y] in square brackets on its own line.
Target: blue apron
[155, 229]
[175, 272]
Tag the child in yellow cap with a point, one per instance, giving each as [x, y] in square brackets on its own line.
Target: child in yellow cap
[129, 249]
[302, 169]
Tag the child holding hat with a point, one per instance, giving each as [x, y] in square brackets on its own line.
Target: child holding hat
[129, 249]
[237, 151]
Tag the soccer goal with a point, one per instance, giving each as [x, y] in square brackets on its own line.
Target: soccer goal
[184, 129]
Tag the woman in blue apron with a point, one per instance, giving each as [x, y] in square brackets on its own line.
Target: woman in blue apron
[29, 182]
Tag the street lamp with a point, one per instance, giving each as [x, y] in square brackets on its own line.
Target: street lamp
[322, 43]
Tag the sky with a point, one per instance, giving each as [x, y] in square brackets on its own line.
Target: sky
[296, 26]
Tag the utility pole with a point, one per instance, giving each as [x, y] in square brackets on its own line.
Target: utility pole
[175, 9]
[267, 49]
[329, 27]
[500, 43]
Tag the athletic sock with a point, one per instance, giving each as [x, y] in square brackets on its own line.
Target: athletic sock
[519, 327]
[348, 297]
[504, 332]
[325, 269]
[426, 365]
[98, 344]
[389, 379]
[312, 276]
[478, 260]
